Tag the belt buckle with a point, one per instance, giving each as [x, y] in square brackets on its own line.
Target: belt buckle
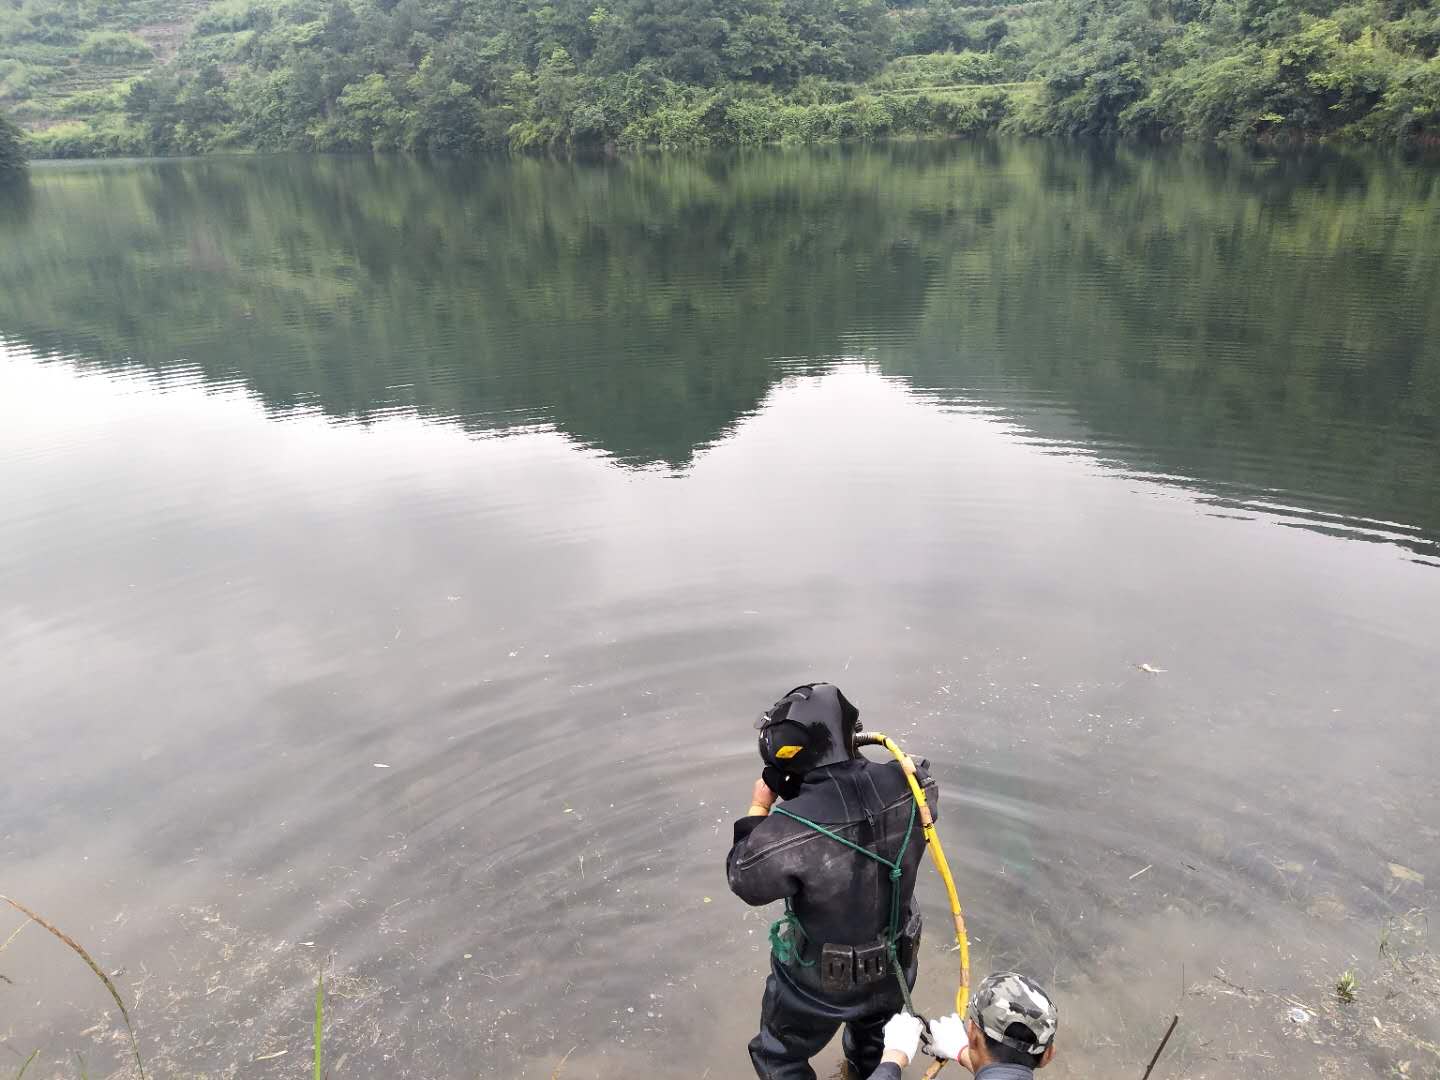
[905, 948]
[837, 968]
[870, 962]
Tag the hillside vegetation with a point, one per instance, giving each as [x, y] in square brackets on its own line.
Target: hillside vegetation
[97, 77]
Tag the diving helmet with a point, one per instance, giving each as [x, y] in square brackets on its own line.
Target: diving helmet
[811, 726]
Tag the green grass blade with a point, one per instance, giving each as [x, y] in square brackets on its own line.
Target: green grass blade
[319, 1020]
[33, 1055]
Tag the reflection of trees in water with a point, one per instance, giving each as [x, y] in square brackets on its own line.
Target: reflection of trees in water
[639, 306]
[16, 201]
[1248, 326]
[1231, 319]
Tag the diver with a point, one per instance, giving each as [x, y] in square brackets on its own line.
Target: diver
[831, 960]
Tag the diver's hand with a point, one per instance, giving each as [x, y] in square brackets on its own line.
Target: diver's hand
[761, 798]
[948, 1038]
[902, 1036]
[782, 784]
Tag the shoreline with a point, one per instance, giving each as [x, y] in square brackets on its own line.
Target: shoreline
[1424, 147]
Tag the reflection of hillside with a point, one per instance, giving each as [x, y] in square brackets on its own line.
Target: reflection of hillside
[636, 306]
[1243, 325]
[1266, 332]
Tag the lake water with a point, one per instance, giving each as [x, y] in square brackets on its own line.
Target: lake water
[534, 481]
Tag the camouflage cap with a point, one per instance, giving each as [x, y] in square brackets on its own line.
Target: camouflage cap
[1008, 997]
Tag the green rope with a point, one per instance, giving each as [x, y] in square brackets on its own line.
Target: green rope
[823, 831]
[894, 936]
[787, 939]
[787, 931]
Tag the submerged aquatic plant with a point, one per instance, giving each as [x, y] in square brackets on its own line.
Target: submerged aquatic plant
[319, 1020]
[1345, 988]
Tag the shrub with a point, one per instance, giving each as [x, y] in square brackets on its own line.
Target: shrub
[940, 69]
[1410, 107]
[19, 79]
[79, 139]
[114, 47]
[232, 18]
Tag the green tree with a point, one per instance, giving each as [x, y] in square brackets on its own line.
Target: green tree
[12, 150]
[368, 116]
[459, 75]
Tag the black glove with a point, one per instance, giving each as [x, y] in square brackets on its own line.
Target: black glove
[782, 784]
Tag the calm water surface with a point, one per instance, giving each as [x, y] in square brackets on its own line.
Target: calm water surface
[533, 481]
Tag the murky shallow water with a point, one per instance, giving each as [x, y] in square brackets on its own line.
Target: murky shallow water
[533, 481]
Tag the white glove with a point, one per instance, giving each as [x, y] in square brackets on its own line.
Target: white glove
[948, 1036]
[902, 1034]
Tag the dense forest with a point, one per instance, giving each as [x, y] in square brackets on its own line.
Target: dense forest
[106, 77]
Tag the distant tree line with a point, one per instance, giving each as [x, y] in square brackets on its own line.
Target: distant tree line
[462, 75]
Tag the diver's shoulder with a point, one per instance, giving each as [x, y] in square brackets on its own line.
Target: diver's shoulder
[893, 774]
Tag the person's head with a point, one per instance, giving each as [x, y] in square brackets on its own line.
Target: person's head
[811, 726]
[1011, 1021]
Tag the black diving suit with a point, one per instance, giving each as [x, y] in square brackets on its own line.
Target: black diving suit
[840, 971]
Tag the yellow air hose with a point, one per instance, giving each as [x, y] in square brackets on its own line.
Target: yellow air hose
[937, 854]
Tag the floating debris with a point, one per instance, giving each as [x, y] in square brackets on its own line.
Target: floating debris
[1151, 670]
[1404, 873]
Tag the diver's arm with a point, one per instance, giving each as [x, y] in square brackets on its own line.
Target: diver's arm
[757, 878]
[761, 800]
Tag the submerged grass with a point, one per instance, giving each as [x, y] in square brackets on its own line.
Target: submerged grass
[79, 951]
[1345, 988]
[33, 1055]
[22, 926]
[319, 1021]
[317, 1042]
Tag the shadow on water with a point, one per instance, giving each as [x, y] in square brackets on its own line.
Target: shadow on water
[1261, 328]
